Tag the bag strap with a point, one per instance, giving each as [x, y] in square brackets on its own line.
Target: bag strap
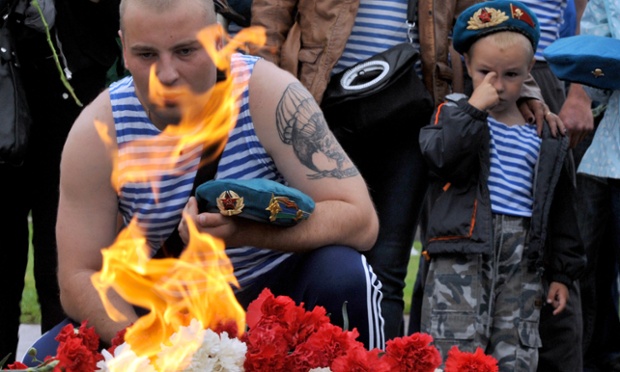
[173, 246]
[458, 73]
[412, 16]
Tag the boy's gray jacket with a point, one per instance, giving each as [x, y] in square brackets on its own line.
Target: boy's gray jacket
[457, 215]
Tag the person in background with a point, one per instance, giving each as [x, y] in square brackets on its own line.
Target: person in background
[233, 14]
[501, 213]
[600, 171]
[315, 39]
[569, 26]
[83, 34]
[575, 109]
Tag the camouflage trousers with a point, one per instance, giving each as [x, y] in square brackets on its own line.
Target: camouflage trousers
[492, 302]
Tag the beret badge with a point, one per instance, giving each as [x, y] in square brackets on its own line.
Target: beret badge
[283, 207]
[486, 17]
[230, 203]
[518, 13]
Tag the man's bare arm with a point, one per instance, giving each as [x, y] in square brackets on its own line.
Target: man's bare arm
[291, 127]
[87, 221]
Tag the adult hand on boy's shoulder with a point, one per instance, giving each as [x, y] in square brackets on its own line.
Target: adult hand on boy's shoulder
[557, 297]
[536, 111]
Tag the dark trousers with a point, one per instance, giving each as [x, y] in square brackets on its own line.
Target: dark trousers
[599, 224]
[330, 277]
[392, 165]
[32, 188]
[601, 232]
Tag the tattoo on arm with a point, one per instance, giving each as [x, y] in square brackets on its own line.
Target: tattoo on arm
[301, 124]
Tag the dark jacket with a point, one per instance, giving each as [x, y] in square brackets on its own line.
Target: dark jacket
[88, 31]
[458, 217]
[84, 35]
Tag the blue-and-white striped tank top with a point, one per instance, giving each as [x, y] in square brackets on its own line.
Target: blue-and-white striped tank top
[514, 154]
[379, 25]
[158, 205]
[550, 14]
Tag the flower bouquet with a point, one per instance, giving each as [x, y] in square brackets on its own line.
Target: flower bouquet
[281, 336]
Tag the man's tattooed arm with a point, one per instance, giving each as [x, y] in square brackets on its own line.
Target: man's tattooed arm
[301, 124]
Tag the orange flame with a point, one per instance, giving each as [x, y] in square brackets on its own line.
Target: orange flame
[207, 117]
[198, 283]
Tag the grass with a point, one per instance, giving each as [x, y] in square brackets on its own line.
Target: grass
[31, 313]
[412, 271]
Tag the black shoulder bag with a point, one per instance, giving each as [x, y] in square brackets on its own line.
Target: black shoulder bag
[15, 120]
[383, 92]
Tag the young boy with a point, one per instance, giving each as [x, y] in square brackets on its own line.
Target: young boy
[499, 212]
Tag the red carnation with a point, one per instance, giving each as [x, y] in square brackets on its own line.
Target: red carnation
[412, 353]
[118, 340]
[266, 348]
[230, 327]
[78, 349]
[254, 312]
[89, 337]
[74, 356]
[17, 365]
[67, 332]
[361, 360]
[459, 361]
[322, 347]
[268, 357]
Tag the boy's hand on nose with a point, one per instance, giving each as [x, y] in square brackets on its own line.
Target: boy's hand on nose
[485, 96]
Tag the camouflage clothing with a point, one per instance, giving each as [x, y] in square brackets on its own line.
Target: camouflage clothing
[488, 301]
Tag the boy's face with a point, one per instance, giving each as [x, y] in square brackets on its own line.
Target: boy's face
[511, 64]
[167, 39]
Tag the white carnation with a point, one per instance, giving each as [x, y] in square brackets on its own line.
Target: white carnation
[218, 353]
[183, 343]
[192, 346]
[123, 360]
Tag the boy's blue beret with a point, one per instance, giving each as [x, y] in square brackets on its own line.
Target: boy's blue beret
[257, 199]
[488, 17]
[586, 59]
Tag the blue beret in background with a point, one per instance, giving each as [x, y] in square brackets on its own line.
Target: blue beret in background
[488, 17]
[257, 199]
[586, 59]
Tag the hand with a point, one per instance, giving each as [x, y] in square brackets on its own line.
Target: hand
[214, 224]
[485, 95]
[576, 114]
[536, 111]
[557, 297]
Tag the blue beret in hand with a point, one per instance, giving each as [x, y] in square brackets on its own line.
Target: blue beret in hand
[488, 17]
[257, 199]
[586, 59]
